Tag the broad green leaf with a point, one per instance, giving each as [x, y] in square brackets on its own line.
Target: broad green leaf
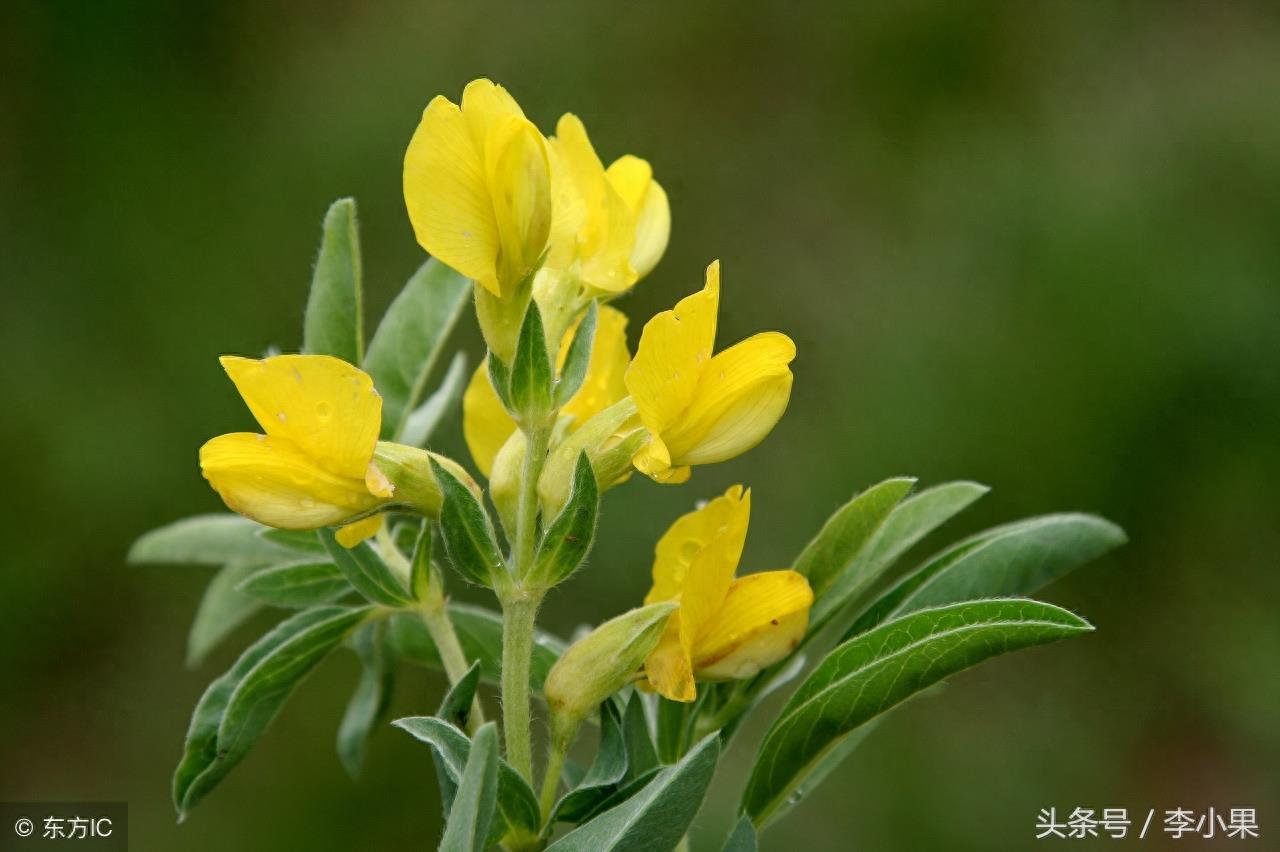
[1015, 559]
[206, 540]
[869, 674]
[480, 634]
[517, 806]
[222, 609]
[568, 538]
[239, 705]
[603, 778]
[365, 570]
[531, 373]
[828, 559]
[421, 423]
[742, 838]
[468, 533]
[578, 357]
[642, 756]
[334, 322]
[410, 338]
[908, 523]
[296, 584]
[476, 798]
[656, 816]
[369, 701]
[302, 541]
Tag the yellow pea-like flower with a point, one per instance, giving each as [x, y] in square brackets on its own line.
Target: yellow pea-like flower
[314, 466]
[726, 628]
[610, 225]
[478, 188]
[700, 408]
[487, 426]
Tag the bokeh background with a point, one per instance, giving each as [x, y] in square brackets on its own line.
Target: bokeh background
[1031, 244]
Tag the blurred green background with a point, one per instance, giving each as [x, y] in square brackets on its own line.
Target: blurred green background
[1031, 244]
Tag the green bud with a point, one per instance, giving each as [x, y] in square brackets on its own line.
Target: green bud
[601, 663]
[504, 479]
[413, 484]
[597, 437]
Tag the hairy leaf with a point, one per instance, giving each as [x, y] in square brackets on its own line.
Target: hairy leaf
[365, 570]
[296, 584]
[468, 533]
[214, 539]
[222, 609]
[578, 358]
[334, 322]
[470, 817]
[568, 538]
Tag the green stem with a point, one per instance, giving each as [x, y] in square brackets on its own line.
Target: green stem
[551, 781]
[519, 610]
[535, 456]
[436, 617]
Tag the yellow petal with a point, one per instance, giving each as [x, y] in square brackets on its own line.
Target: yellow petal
[632, 177]
[446, 191]
[603, 384]
[739, 398]
[693, 531]
[674, 349]
[274, 482]
[324, 406]
[485, 423]
[519, 183]
[668, 667]
[485, 103]
[763, 617]
[352, 534]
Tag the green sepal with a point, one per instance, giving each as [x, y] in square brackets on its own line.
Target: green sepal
[568, 538]
[578, 358]
[531, 373]
[468, 533]
[500, 378]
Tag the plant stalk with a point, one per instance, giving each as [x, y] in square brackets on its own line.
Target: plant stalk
[518, 614]
[440, 627]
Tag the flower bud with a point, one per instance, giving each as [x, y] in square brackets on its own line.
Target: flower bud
[598, 436]
[601, 663]
[407, 472]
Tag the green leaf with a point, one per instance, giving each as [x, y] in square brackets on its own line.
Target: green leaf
[421, 423]
[641, 754]
[410, 338]
[239, 705]
[500, 378]
[742, 838]
[531, 373]
[365, 570]
[578, 357]
[674, 719]
[222, 609]
[206, 540]
[480, 634]
[517, 809]
[467, 829]
[568, 538]
[455, 708]
[603, 778]
[828, 559]
[301, 541]
[1014, 559]
[334, 321]
[867, 675]
[369, 701]
[657, 816]
[909, 522]
[468, 533]
[296, 584]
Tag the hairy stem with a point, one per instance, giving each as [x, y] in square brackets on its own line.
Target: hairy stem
[551, 781]
[519, 610]
[535, 456]
[440, 626]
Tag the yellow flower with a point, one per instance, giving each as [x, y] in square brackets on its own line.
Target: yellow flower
[486, 425]
[314, 466]
[612, 223]
[726, 628]
[477, 186]
[701, 409]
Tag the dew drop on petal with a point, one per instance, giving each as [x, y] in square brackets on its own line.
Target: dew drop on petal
[282, 417]
[323, 409]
